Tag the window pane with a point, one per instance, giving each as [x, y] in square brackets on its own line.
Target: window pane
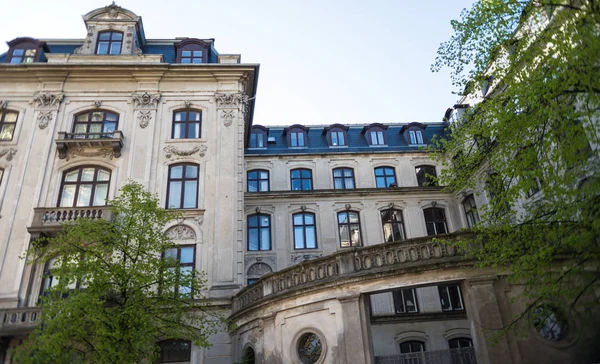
[264, 175]
[178, 131]
[100, 194]
[177, 172]
[180, 116]
[419, 137]
[88, 174]
[306, 173]
[103, 48]
[355, 235]
[341, 138]
[175, 194]
[344, 236]
[353, 217]
[311, 241]
[18, 52]
[191, 172]
[171, 253]
[296, 185]
[306, 184]
[299, 238]
[72, 176]
[265, 238]
[309, 219]
[342, 218]
[83, 198]
[298, 219]
[373, 138]
[379, 171]
[440, 227]
[430, 228]
[253, 186]
[115, 48]
[380, 137]
[338, 184]
[68, 196]
[193, 130]
[197, 53]
[334, 139]
[349, 183]
[117, 36]
[103, 175]
[186, 53]
[253, 239]
[10, 117]
[264, 186]
[264, 221]
[337, 173]
[300, 139]
[104, 36]
[7, 132]
[445, 298]
[189, 200]
[187, 255]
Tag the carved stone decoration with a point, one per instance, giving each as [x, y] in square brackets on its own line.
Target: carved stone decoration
[259, 269]
[181, 232]
[251, 259]
[146, 100]
[48, 100]
[227, 116]
[301, 257]
[9, 153]
[84, 152]
[98, 104]
[200, 220]
[144, 117]
[187, 103]
[113, 10]
[88, 40]
[3, 104]
[231, 101]
[171, 150]
[44, 118]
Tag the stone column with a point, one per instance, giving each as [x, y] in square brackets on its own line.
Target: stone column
[485, 316]
[145, 107]
[356, 338]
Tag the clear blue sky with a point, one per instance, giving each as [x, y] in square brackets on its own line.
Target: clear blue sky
[322, 62]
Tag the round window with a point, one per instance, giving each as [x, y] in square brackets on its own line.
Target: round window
[309, 348]
[549, 324]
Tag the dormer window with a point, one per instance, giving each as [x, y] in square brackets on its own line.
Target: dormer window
[258, 136]
[414, 133]
[296, 136]
[109, 43]
[336, 135]
[24, 50]
[375, 134]
[23, 56]
[192, 51]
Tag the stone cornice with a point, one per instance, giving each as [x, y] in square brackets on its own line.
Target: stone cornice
[417, 190]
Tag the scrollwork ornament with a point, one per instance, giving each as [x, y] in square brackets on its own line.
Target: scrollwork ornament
[44, 118]
[181, 232]
[230, 101]
[83, 152]
[171, 150]
[227, 116]
[47, 99]
[200, 220]
[144, 117]
[145, 100]
[9, 153]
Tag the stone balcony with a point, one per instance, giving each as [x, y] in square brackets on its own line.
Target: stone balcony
[18, 321]
[70, 145]
[350, 265]
[48, 220]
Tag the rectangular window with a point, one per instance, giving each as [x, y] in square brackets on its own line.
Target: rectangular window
[451, 298]
[349, 229]
[471, 211]
[343, 178]
[182, 190]
[377, 138]
[259, 232]
[187, 125]
[257, 140]
[301, 179]
[435, 221]
[182, 265]
[405, 301]
[258, 181]
[297, 139]
[305, 235]
[337, 138]
[385, 177]
[416, 137]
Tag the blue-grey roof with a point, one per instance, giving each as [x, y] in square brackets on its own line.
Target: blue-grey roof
[356, 141]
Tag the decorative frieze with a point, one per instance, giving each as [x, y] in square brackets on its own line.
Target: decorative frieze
[258, 269]
[171, 150]
[227, 116]
[44, 118]
[145, 100]
[199, 220]
[48, 100]
[144, 118]
[181, 232]
[252, 259]
[87, 153]
[301, 257]
[8, 153]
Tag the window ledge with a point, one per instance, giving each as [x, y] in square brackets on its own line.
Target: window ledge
[186, 140]
[429, 316]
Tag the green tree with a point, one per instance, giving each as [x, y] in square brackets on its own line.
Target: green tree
[531, 72]
[116, 296]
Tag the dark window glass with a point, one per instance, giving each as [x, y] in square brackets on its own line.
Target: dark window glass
[549, 323]
[174, 351]
[182, 191]
[8, 121]
[451, 298]
[48, 279]
[187, 124]
[338, 137]
[109, 43]
[95, 125]
[23, 56]
[393, 225]
[460, 343]
[426, 175]
[405, 301]
[471, 211]
[343, 178]
[412, 347]
[259, 232]
[183, 258]
[257, 139]
[416, 137]
[297, 139]
[251, 281]
[435, 221]
[84, 186]
[305, 234]
[385, 177]
[258, 181]
[301, 179]
[349, 228]
[309, 348]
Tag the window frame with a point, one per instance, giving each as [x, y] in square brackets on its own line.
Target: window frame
[471, 211]
[176, 360]
[379, 130]
[88, 123]
[4, 123]
[259, 229]
[192, 44]
[343, 178]
[304, 225]
[183, 179]
[336, 130]
[296, 130]
[25, 44]
[421, 173]
[458, 341]
[386, 176]
[452, 305]
[400, 294]
[348, 224]
[110, 42]
[258, 180]
[79, 182]
[435, 221]
[187, 123]
[392, 223]
[411, 343]
[256, 131]
[180, 265]
[301, 179]
[414, 133]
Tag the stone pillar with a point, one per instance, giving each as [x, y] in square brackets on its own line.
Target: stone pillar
[485, 316]
[141, 140]
[356, 338]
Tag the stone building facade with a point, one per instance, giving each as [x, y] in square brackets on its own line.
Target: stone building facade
[319, 239]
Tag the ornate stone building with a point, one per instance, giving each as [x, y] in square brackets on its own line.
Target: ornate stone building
[318, 239]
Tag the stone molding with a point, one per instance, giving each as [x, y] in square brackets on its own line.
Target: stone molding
[8, 153]
[171, 150]
[86, 153]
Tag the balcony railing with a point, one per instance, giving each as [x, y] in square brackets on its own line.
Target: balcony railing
[75, 143]
[348, 264]
[18, 320]
[48, 220]
[450, 356]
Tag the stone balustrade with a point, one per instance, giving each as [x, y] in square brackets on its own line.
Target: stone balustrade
[349, 263]
[19, 320]
[48, 220]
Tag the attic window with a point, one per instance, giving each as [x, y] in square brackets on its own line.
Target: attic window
[24, 50]
[336, 135]
[192, 51]
[375, 134]
[109, 43]
[414, 133]
[296, 136]
[258, 136]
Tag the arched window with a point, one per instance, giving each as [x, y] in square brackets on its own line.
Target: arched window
[393, 225]
[258, 136]
[187, 124]
[426, 175]
[24, 50]
[305, 233]
[349, 228]
[192, 51]
[182, 190]
[412, 347]
[337, 135]
[296, 136]
[84, 186]
[258, 180]
[385, 177]
[256, 271]
[459, 343]
[435, 221]
[301, 179]
[249, 357]
[109, 42]
[414, 133]
[95, 125]
[343, 178]
[174, 351]
[259, 232]
[8, 122]
[375, 134]
[183, 262]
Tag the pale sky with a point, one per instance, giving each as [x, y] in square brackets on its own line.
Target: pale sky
[322, 62]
